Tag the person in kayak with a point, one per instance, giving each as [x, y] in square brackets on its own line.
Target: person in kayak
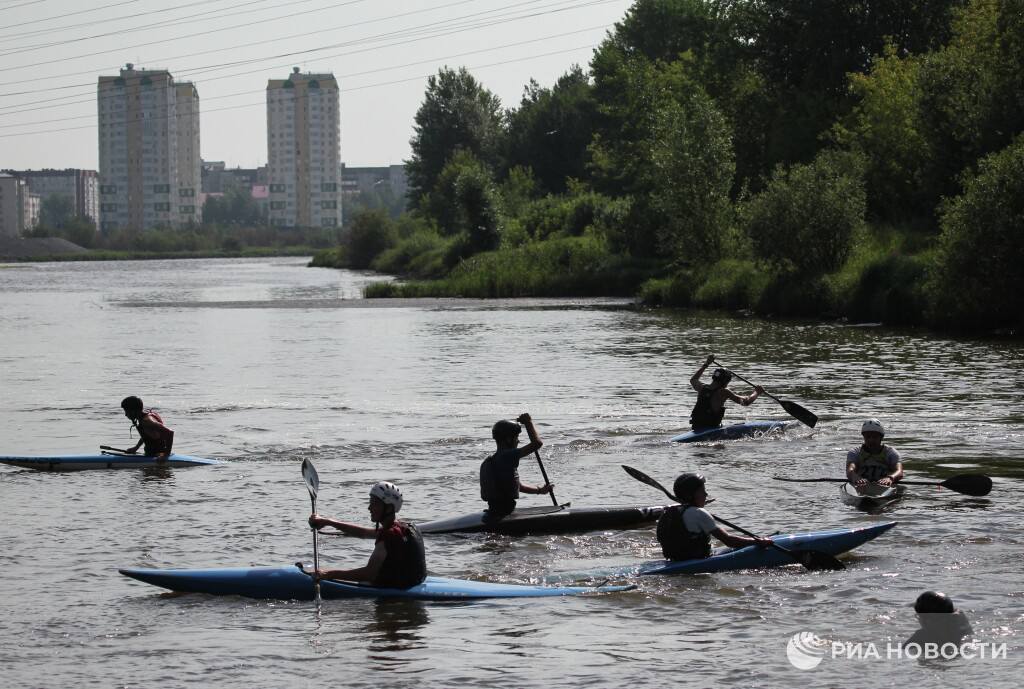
[709, 410]
[685, 530]
[499, 474]
[873, 462]
[156, 438]
[941, 623]
[398, 559]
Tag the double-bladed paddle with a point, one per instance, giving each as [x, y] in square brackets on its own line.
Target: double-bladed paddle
[792, 408]
[114, 449]
[811, 559]
[313, 485]
[976, 485]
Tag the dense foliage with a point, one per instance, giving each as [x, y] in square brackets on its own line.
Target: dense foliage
[794, 158]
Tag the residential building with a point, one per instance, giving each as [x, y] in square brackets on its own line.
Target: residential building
[303, 134]
[80, 187]
[388, 182]
[149, 150]
[220, 179]
[19, 209]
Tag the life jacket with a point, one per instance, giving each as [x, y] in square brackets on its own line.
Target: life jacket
[677, 542]
[406, 562]
[152, 445]
[703, 416]
[874, 465]
[497, 483]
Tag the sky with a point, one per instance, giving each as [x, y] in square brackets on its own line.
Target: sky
[381, 52]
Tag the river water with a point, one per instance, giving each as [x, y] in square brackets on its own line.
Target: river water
[264, 363]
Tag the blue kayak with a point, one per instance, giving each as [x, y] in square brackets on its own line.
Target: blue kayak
[292, 583]
[832, 542]
[734, 432]
[103, 460]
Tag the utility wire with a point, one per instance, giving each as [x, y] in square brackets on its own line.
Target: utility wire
[347, 76]
[66, 15]
[358, 88]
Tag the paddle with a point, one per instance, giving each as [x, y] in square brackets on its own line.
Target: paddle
[545, 475]
[811, 559]
[114, 449]
[792, 408]
[976, 485]
[313, 485]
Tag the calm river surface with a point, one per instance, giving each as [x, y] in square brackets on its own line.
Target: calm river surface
[266, 362]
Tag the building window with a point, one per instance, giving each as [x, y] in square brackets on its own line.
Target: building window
[277, 205]
[108, 188]
[108, 207]
[276, 188]
[187, 209]
[328, 222]
[186, 192]
[328, 186]
[328, 204]
[161, 206]
[161, 188]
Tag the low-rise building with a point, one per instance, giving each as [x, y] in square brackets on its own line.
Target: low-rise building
[19, 208]
[80, 187]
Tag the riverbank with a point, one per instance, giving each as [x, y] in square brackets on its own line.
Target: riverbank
[27, 250]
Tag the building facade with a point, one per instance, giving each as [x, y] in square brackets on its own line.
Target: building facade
[149, 151]
[303, 134]
[81, 187]
[19, 208]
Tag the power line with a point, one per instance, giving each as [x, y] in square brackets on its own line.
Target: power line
[358, 88]
[354, 74]
[435, 26]
[68, 14]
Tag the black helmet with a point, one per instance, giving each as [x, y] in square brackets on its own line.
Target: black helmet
[932, 601]
[687, 484]
[131, 403]
[721, 375]
[505, 428]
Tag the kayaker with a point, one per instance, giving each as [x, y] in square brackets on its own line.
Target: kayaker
[709, 410]
[941, 623]
[685, 530]
[153, 434]
[398, 559]
[873, 462]
[499, 474]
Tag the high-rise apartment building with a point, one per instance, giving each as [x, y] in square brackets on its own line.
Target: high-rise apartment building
[303, 133]
[149, 150]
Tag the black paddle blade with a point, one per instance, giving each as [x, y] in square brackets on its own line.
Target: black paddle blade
[815, 560]
[799, 413]
[644, 478]
[969, 484]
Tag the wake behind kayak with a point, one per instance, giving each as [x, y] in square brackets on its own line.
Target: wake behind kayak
[747, 429]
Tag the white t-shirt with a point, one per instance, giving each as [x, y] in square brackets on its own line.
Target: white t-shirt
[876, 466]
[699, 520]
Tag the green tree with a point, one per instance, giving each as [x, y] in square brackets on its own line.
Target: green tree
[807, 217]
[551, 129]
[979, 271]
[56, 211]
[693, 166]
[457, 114]
[370, 233]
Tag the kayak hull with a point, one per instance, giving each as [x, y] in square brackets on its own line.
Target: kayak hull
[833, 542]
[103, 461]
[291, 583]
[548, 520]
[872, 497]
[734, 432]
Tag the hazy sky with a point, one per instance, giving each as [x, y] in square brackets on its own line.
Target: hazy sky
[52, 51]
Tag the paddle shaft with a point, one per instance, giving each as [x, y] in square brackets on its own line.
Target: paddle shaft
[967, 484]
[544, 474]
[312, 480]
[766, 393]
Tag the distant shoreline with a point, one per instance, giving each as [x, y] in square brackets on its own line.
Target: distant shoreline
[55, 249]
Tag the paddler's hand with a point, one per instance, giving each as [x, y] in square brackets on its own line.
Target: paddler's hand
[885, 481]
[131, 451]
[763, 542]
[860, 483]
[710, 360]
[316, 521]
[546, 488]
[524, 418]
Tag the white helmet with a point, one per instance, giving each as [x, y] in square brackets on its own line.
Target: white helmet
[872, 425]
[387, 493]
